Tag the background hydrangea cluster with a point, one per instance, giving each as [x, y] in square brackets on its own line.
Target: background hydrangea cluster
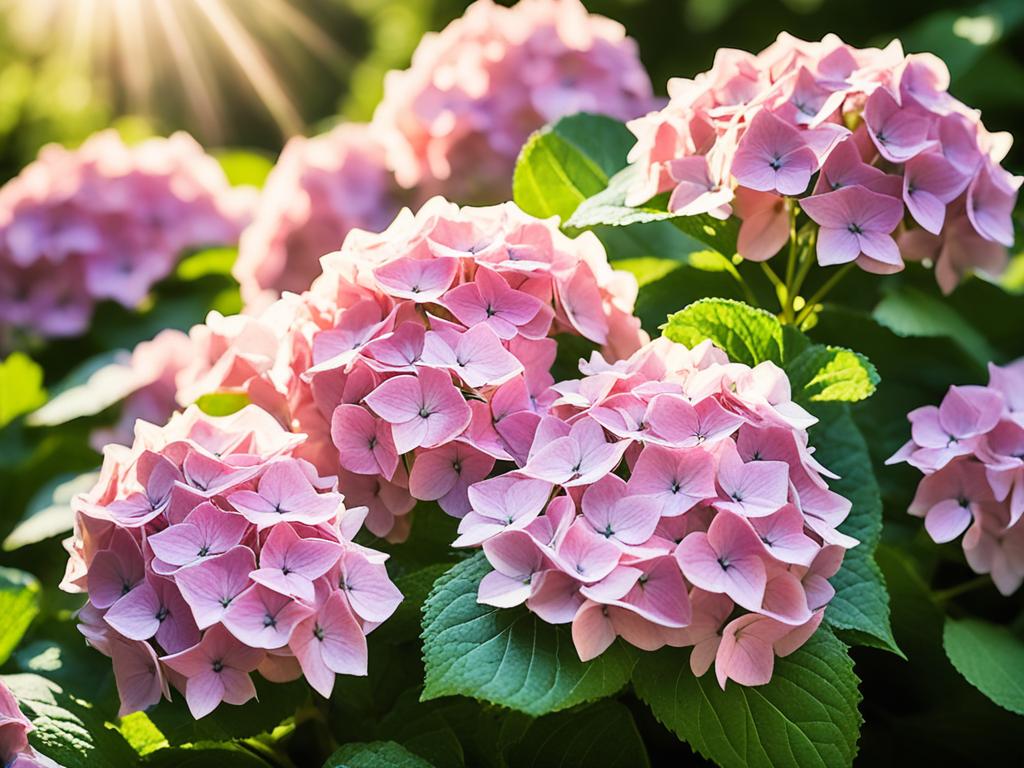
[208, 552]
[878, 129]
[107, 221]
[455, 121]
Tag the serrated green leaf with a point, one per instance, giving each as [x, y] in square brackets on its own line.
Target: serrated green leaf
[861, 602]
[222, 403]
[375, 754]
[602, 734]
[746, 334]
[507, 657]
[21, 387]
[831, 374]
[608, 208]
[49, 512]
[805, 717]
[990, 658]
[67, 729]
[564, 163]
[19, 605]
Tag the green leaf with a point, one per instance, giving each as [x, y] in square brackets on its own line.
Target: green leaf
[92, 387]
[68, 729]
[273, 704]
[507, 657]
[910, 312]
[564, 163]
[375, 754]
[222, 403]
[204, 755]
[861, 602]
[602, 734]
[243, 166]
[210, 261]
[805, 717]
[19, 605]
[746, 334]
[829, 374]
[21, 387]
[990, 658]
[608, 207]
[49, 512]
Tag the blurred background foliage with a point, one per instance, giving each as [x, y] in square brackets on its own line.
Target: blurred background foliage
[253, 72]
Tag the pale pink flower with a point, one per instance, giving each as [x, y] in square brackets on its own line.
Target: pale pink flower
[626, 520]
[364, 442]
[425, 410]
[727, 559]
[364, 581]
[285, 494]
[856, 223]
[290, 564]
[216, 670]
[329, 643]
[579, 458]
[506, 502]
[772, 157]
[445, 474]
[678, 478]
[751, 489]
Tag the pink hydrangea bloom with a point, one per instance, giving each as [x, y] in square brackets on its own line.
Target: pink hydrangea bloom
[455, 121]
[970, 449]
[749, 136]
[670, 498]
[422, 355]
[209, 551]
[319, 189]
[14, 730]
[106, 221]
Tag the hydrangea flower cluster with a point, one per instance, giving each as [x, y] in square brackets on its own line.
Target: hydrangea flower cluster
[476, 90]
[319, 189]
[15, 751]
[871, 134]
[971, 450]
[209, 551]
[422, 355]
[106, 221]
[669, 499]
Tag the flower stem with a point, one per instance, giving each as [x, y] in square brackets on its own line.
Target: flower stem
[979, 582]
[822, 292]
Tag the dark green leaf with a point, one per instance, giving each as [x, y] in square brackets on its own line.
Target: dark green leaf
[602, 734]
[68, 730]
[507, 657]
[991, 659]
[204, 756]
[805, 717]
[375, 754]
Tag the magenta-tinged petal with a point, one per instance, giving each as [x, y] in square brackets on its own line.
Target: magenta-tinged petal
[371, 594]
[140, 683]
[745, 654]
[210, 587]
[592, 631]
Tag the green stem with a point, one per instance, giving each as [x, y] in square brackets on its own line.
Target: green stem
[968, 586]
[822, 292]
[747, 293]
[791, 261]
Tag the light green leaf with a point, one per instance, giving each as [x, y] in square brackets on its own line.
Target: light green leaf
[990, 658]
[746, 334]
[806, 717]
[19, 605]
[375, 754]
[49, 512]
[67, 728]
[910, 312]
[222, 403]
[564, 163]
[602, 734]
[608, 207]
[244, 167]
[210, 261]
[829, 374]
[93, 386]
[507, 656]
[21, 387]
